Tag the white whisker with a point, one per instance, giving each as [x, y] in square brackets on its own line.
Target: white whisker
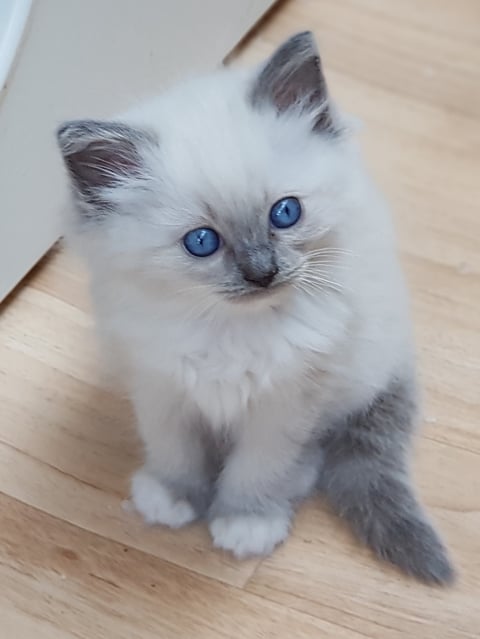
[320, 262]
[202, 308]
[329, 251]
[322, 281]
[197, 287]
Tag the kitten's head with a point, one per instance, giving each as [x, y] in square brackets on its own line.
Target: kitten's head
[231, 186]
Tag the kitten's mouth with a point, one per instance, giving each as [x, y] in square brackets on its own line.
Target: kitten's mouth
[257, 293]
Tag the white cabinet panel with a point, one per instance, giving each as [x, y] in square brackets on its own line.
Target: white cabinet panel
[91, 58]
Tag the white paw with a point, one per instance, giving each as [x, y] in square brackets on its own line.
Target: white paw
[155, 503]
[246, 535]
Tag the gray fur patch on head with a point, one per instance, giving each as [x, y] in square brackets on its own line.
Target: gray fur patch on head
[293, 79]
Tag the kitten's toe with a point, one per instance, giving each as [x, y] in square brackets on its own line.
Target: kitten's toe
[249, 534]
[157, 505]
[413, 545]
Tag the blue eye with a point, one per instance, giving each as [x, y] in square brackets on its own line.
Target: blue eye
[201, 242]
[285, 213]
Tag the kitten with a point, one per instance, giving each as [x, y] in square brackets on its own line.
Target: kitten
[246, 283]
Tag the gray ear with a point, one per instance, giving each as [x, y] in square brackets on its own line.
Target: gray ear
[100, 156]
[293, 79]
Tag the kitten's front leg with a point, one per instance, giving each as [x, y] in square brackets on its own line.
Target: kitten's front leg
[173, 487]
[366, 480]
[268, 470]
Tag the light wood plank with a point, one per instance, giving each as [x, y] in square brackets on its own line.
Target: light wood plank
[93, 587]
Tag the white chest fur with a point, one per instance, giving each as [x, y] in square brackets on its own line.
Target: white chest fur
[223, 366]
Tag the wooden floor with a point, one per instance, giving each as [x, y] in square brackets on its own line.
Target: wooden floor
[75, 563]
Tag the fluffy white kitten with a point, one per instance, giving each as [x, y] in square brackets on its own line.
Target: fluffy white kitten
[246, 284]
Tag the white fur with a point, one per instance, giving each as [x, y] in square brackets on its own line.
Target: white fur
[155, 503]
[246, 535]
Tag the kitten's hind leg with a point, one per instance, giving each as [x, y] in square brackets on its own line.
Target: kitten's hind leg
[366, 480]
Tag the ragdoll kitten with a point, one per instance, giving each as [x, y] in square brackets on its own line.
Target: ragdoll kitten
[246, 284]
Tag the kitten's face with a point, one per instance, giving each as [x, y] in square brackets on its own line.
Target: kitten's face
[226, 188]
[247, 254]
[248, 224]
